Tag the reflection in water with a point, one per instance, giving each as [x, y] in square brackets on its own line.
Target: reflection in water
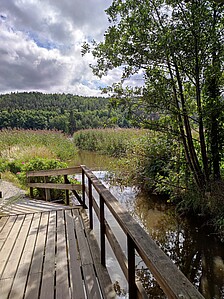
[92, 160]
[198, 253]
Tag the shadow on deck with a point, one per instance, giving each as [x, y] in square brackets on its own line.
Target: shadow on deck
[50, 254]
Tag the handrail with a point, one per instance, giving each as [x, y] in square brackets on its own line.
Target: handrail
[169, 277]
[172, 281]
[59, 186]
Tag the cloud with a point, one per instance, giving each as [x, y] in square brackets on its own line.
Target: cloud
[40, 45]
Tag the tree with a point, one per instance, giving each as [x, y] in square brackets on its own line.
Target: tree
[178, 45]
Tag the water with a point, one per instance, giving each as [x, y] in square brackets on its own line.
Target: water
[189, 244]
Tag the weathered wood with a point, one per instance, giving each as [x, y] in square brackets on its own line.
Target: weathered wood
[19, 282]
[55, 172]
[9, 243]
[102, 274]
[170, 278]
[118, 251]
[40, 258]
[77, 290]
[83, 188]
[90, 196]
[13, 261]
[5, 285]
[56, 186]
[7, 224]
[89, 274]
[66, 191]
[62, 282]
[48, 276]
[35, 272]
[131, 268]
[102, 233]
[47, 191]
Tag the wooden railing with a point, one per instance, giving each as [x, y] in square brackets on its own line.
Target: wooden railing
[46, 185]
[168, 276]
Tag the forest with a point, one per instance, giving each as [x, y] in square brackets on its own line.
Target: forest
[65, 112]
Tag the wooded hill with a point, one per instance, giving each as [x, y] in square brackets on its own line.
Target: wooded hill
[65, 112]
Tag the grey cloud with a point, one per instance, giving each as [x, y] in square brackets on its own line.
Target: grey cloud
[29, 27]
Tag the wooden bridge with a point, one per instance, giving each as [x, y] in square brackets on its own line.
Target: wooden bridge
[48, 250]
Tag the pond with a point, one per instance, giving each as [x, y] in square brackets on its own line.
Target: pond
[189, 244]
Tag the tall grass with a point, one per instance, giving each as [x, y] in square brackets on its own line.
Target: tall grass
[113, 142]
[23, 150]
[26, 144]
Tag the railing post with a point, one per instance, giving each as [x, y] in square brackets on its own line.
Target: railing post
[66, 191]
[47, 191]
[90, 204]
[102, 232]
[83, 188]
[0, 183]
[131, 268]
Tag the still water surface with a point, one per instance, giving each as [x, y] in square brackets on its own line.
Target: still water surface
[190, 245]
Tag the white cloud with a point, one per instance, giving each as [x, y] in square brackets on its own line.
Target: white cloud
[40, 45]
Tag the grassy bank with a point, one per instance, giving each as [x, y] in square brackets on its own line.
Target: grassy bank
[24, 150]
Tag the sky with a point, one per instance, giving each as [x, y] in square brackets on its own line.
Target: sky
[40, 46]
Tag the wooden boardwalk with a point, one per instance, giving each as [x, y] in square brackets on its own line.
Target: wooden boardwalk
[48, 251]
[49, 254]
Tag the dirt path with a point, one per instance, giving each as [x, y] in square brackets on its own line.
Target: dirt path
[9, 190]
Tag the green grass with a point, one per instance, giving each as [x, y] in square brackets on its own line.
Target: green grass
[22, 148]
[113, 142]
[26, 144]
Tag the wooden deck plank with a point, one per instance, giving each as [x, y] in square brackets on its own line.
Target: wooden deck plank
[9, 222]
[5, 285]
[13, 261]
[77, 283]
[42, 258]
[62, 281]
[20, 279]
[3, 221]
[91, 283]
[47, 286]
[35, 273]
[9, 243]
[26, 206]
[103, 277]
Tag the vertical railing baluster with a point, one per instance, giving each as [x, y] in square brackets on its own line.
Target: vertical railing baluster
[83, 189]
[66, 191]
[90, 204]
[131, 268]
[47, 191]
[102, 232]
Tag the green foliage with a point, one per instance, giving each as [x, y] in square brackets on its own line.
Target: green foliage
[23, 144]
[152, 162]
[177, 47]
[66, 113]
[113, 142]
[42, 164]
[25, 150]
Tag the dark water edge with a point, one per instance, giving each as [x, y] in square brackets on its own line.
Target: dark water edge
[187, 241]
